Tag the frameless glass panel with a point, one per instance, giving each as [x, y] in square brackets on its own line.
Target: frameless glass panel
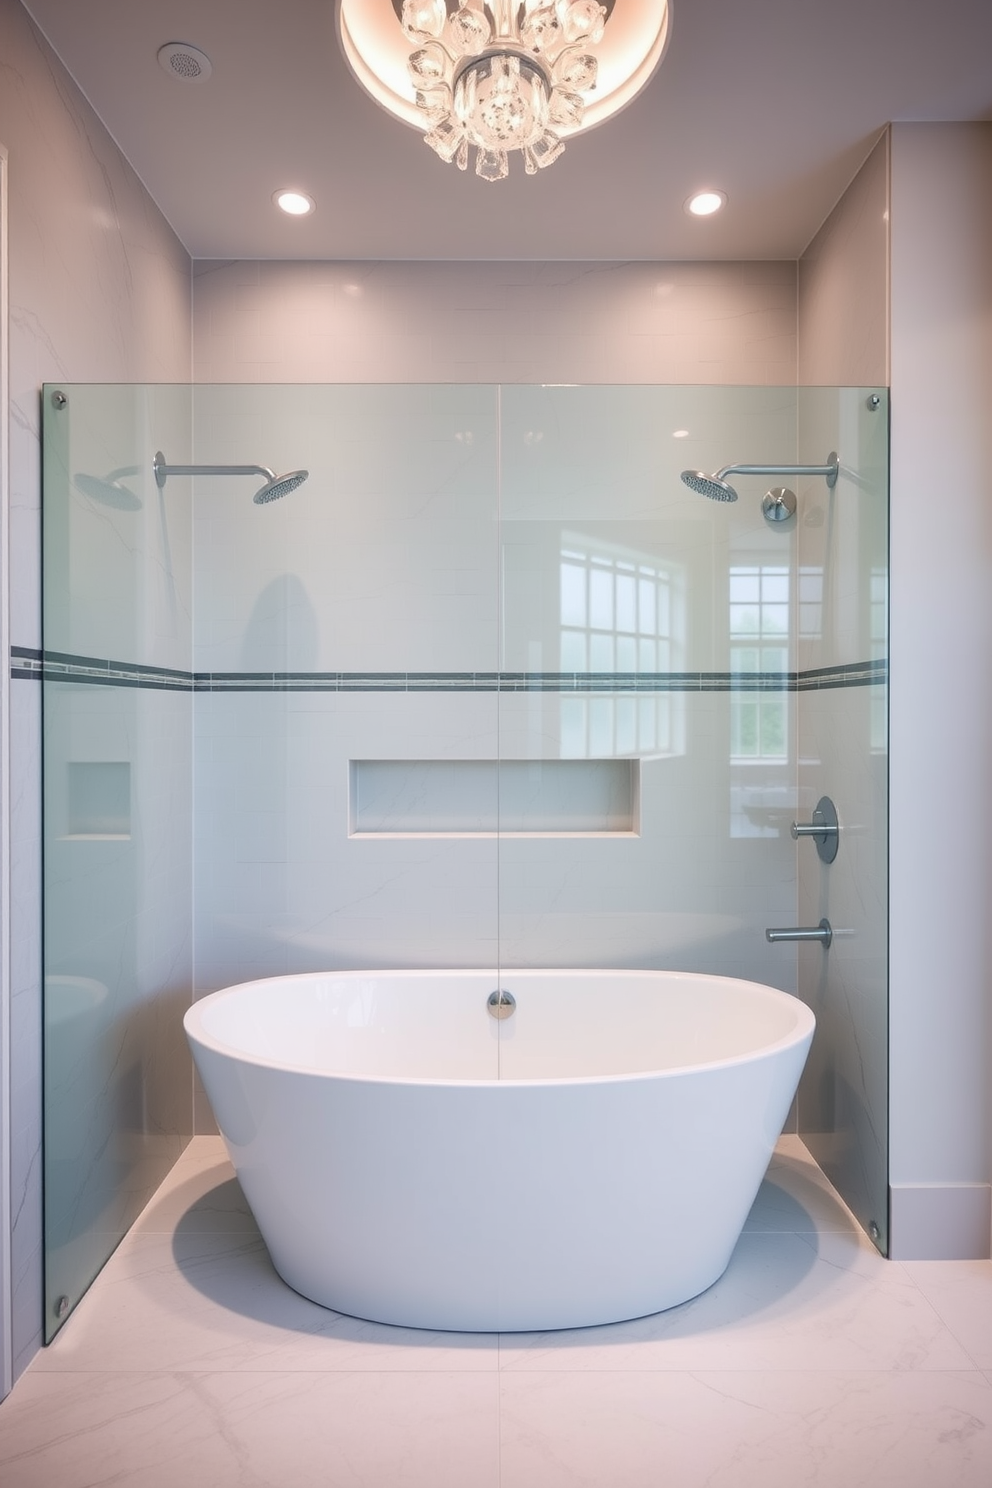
[117, 821]
[739, 665]
[843, 577]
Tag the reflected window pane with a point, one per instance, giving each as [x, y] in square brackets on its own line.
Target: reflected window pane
[573, 728]
[573, 651]
[744, 619]
[626, 711]
[626, 654]
[601, 598]
[775, 619]
[626, 602]
[760, 625]
[664, 621]
[647, 622]
[745, 586]
[646, 723]
[600, 652]
[573, 595]
[600, 726]
[634, 622]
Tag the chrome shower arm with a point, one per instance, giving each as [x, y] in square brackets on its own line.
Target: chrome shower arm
[829, 471]
[162, 470]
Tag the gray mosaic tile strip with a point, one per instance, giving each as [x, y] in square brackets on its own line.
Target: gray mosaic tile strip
[58, 666]
[857, 674]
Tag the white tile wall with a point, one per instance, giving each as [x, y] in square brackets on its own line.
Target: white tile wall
[385, 560]
[497, 322]
[844, 285]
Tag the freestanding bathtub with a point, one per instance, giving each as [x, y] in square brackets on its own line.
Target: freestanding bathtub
[411, 1159]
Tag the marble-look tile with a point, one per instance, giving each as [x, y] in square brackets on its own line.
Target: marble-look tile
[961, 1292]
[786, 1301]
[205, 1296]
[251, 1431]
[796, 1197]
[746, 1430]
[201, 1191]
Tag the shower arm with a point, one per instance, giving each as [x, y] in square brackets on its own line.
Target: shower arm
[162, 470]
[829, 471]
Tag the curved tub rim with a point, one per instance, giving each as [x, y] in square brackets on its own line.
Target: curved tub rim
[805, 1027]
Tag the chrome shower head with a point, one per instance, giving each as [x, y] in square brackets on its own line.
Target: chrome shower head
[718, 488]
[274, 487]
[709, 485]
[279, 485]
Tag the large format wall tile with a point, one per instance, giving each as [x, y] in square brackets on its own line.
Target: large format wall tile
[675, 323]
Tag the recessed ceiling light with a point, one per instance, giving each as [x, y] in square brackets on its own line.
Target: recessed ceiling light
[296, 203]
[705, 203]
[680, 433]
[185, 62]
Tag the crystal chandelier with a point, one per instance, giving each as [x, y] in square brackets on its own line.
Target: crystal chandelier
[501, 76]
[496, 76]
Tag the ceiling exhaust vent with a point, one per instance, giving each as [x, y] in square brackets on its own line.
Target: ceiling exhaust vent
[188, 63]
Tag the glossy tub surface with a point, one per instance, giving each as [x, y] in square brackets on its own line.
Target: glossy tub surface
[412, 1160]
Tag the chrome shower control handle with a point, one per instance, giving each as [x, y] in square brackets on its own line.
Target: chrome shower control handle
[824, 829]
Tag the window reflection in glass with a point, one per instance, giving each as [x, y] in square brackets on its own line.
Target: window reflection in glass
[622, 616]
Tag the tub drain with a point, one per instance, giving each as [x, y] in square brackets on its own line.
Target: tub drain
[500, 1003]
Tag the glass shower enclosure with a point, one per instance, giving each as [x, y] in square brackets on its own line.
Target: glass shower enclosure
[492, 688]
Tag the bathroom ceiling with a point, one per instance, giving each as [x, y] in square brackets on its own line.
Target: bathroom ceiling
[775, 102]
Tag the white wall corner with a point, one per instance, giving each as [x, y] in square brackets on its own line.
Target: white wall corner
[940, 1221]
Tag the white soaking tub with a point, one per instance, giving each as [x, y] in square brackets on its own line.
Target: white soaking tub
[410, 1159]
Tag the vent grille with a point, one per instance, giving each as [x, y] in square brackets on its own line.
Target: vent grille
[188, 63]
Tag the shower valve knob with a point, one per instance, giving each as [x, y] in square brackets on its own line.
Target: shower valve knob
[824, 829]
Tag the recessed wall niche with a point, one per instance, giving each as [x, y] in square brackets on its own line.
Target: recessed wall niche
[98, 799]
[454, 798]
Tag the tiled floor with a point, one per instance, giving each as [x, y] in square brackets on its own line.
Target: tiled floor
[811, 1362]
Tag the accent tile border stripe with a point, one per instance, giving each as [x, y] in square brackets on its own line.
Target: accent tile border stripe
[57, 666]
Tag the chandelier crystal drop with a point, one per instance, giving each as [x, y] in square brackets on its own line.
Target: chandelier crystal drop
[500, 76]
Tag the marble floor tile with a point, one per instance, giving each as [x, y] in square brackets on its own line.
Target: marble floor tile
[961, 1292]
[799, 1301]
[796, 1197]
[197, 1302]
[190, 1364]
[276, 1430]
[200, 1193]
[876, 1429]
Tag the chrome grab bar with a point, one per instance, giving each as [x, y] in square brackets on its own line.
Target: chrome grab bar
[821, 932]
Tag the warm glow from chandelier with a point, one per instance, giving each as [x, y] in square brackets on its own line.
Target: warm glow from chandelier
[503, 75]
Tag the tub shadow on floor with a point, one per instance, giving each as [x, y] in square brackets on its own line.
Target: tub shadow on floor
[219, 1251]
